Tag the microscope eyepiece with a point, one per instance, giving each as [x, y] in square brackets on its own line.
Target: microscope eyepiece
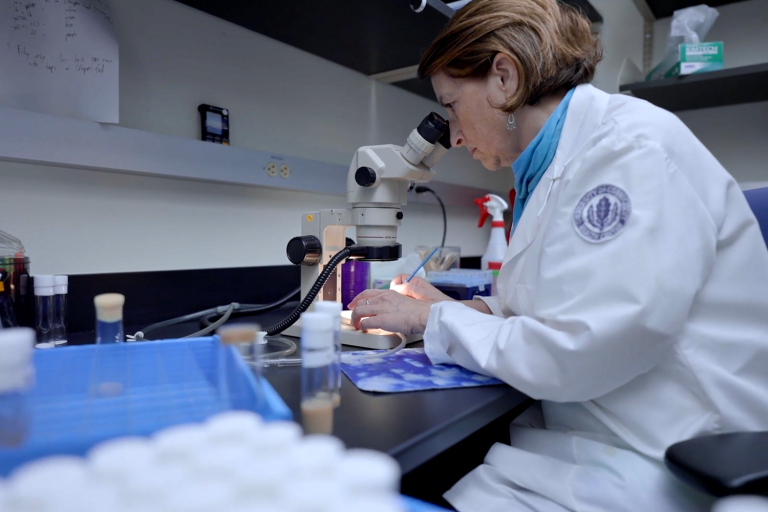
[445, 139]
[432, 128]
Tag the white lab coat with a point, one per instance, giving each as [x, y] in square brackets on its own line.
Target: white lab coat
[657, 335]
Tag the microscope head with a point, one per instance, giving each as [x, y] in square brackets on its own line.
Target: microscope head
[378, 182]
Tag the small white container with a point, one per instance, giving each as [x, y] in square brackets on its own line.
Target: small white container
[38, 484]
[275, 439]
[179, 444]
[200, 496]
[218, 463]
[146, 489]
[262, 482]
[369, 473]
[317, 457]
[312, 496]
[113, 461]
[372, 504]
[90, 498]
[741, 504]
[233, 427]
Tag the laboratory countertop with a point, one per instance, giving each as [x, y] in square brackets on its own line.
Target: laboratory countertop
[412, 427]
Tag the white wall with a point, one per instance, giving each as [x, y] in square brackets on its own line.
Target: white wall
[281, 100]
[737, 134]
[622, 35]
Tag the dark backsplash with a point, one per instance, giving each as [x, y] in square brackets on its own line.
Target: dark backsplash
[155, 296]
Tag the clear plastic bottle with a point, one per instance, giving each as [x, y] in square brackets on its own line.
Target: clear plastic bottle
[16, 378]
[44, 292]
[60, 310]
[333, 309]
[317, 363]
[109, 318]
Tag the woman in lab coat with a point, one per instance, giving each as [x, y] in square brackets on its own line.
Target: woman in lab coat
[633, 298]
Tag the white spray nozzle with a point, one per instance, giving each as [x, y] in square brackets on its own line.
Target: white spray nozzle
[491, 205]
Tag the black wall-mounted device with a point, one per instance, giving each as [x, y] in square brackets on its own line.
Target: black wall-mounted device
[214, 124]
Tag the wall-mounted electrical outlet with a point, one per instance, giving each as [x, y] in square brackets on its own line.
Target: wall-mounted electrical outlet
[285, 171]
[272, 169]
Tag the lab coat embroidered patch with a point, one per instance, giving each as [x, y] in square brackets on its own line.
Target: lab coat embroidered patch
[602, 213]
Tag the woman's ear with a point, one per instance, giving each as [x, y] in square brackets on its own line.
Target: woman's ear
[503, 74]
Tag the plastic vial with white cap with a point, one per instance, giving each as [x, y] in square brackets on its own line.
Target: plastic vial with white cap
[109, 318]
[60, 310]
[45, 287]
[16, 378]
[243, 338]
[333, 308]
[317, 378]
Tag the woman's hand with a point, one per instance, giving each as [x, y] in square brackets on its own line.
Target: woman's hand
[417, 288]
[391, 311]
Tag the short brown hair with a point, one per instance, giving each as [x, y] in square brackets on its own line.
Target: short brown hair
[551, 44]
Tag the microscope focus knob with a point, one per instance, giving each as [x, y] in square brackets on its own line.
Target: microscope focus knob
[304, 250]
[365, 176]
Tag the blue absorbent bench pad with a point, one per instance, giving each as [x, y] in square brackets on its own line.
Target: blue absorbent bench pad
[407, 370]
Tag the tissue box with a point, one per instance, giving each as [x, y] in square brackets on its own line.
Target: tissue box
[693, 58]
[700, 58]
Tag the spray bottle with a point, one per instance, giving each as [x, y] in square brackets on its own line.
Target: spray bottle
[494, 206]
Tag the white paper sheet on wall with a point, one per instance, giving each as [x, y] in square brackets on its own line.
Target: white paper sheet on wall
[59, 57]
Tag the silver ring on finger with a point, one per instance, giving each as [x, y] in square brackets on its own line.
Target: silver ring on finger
[366, 302]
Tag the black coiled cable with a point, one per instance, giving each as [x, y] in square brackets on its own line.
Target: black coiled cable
[302, 307]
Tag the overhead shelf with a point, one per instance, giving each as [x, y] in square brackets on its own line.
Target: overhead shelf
[747, 84]
[665, 8]
[29, 137]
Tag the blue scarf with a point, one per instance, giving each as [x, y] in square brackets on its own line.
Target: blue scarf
[533, 162]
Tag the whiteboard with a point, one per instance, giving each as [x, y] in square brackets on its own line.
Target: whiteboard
[59, 57]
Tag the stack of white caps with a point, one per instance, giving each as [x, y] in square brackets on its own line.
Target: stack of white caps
[61, 284]
[16, 371]
[45, 285]
[252, 467]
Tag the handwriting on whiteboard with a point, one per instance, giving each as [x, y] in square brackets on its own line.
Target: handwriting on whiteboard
[64, 48]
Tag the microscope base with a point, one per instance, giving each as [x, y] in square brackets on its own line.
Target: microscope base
[375, 339]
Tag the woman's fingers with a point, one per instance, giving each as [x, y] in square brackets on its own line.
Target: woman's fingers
[368, 295]
[390, 311]
[361, 312]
